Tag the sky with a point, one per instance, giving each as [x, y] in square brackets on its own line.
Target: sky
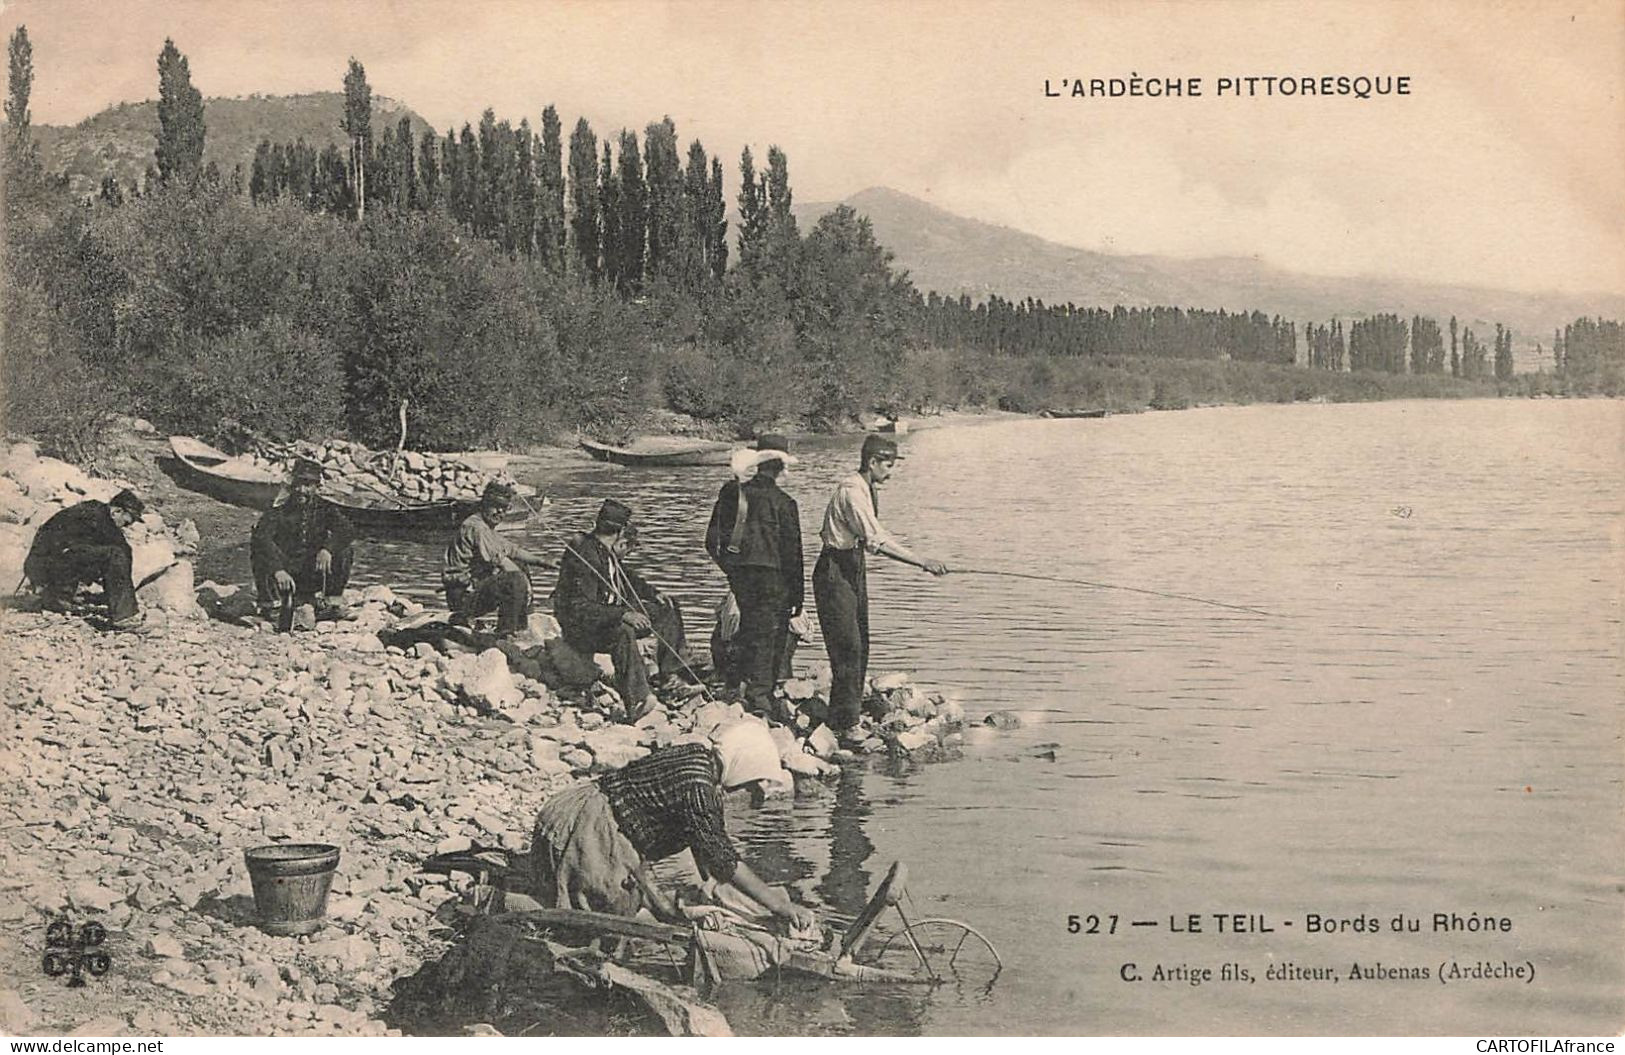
[1503, 167]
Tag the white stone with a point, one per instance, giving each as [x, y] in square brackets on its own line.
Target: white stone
[913, 739]
[823, 742]
[888, 682]
[172, 591]
[48, 480]
[149, 556]
[489, 684]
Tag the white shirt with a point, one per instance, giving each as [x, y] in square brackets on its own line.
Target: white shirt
[850, 518]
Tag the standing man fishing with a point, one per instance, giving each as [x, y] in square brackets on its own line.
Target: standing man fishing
[840, 584]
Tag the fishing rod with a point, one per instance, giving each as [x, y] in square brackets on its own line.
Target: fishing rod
[1110, 586]
[638, 601]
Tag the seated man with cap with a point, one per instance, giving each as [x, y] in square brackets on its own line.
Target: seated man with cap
[481, 572]
[300, 549]
[85, 543]
[598, 613]
[593, 842]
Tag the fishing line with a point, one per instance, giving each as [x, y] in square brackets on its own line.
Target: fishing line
[1112, 586]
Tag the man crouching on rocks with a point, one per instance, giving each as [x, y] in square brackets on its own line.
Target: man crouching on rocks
[482, 570]
[593, 842]
[85, 543]
[301, 549]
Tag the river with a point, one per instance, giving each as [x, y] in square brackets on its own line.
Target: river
[1428, 720]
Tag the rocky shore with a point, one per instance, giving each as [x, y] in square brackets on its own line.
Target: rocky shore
[139, 767]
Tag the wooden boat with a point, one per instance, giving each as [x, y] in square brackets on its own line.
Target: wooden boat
[248, 482]
[1075, 413]
[379, 512]
[228, 477]
[661, 451]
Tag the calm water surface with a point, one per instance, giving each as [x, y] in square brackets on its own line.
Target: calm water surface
[1431, 722]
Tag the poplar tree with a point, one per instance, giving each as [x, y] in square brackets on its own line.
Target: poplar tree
[357, 126]
[696, 235]
[428, 170]
[1455, 356]
[19, 86]
[752, 214]
[525, 206]
[405, 176]
[584, 200]
[782, 238]
[180, 120]
[664, 181]
[1503, 353]
[717, 232]
[633, 225]
[473, 180]
[609, 209]
[551, 237]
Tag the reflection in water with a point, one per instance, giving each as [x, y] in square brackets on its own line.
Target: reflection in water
[845, 886]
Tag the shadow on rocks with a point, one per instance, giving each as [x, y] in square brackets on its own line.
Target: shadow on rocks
[495, 977]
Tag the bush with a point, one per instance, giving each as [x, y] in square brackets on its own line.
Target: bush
[49, 391]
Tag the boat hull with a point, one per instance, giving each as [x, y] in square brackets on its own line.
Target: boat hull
[219, 475]
[707, 454]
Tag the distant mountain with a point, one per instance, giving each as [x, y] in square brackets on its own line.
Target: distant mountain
[952, 255]
[120, 140]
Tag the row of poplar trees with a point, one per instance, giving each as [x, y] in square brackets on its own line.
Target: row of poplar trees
[1032, 327]
[1382, 342]
[627, 212]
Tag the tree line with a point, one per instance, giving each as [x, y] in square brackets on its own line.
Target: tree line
[317, 291]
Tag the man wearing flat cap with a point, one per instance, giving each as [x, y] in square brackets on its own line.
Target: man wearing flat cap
[301, 548]
[482, 570]
[755, 538]
[596, 614]
[85, 543]
[840, 580]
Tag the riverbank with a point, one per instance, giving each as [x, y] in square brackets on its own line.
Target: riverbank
[141, 765]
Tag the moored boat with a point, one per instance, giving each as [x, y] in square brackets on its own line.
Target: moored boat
[661, 451]
[239, 479]
[256, 482]
[1074, 413]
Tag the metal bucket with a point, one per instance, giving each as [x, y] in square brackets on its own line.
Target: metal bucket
[291, 882]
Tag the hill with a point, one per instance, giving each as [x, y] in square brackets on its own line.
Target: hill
[953, 255]
[120, 139]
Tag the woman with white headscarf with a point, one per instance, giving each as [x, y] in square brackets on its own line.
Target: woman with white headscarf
[592, 841]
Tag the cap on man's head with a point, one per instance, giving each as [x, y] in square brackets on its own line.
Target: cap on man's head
[306, 470]
[772, 441]
[878, 447]
[130, 502]
[613, 514]
[497, 495]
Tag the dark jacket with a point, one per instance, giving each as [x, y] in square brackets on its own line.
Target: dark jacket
[86, 524]
[288, 536]
[772, 535]
[582, 600]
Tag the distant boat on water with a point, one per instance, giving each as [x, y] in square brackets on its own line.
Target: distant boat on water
[1073, 413]
[661, 452]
